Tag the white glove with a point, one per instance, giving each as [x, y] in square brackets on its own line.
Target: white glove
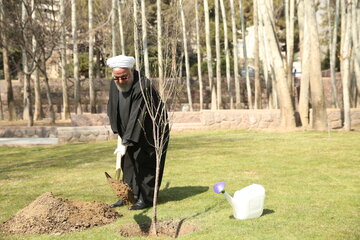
[121, 149]
[120, 152]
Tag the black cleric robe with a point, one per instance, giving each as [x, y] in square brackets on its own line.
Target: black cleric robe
[128, 118]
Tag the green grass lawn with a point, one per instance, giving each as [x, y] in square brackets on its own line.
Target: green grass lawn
[312, 183]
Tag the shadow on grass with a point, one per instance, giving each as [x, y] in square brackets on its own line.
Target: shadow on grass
[143, 221]
[267, 211]
[180, 193]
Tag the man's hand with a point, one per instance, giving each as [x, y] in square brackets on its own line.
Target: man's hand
[121, 149]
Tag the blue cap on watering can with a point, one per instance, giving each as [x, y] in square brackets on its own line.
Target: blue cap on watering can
[219, 187]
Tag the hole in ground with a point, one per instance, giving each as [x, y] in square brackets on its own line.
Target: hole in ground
[170, 228]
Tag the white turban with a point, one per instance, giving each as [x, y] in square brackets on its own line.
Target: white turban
[121, 61]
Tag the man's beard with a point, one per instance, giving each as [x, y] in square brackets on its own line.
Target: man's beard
[124, 87]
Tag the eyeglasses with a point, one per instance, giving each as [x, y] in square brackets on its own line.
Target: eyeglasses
[124, 77]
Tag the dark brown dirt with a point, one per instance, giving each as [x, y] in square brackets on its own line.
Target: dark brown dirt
[53, 215]
[169, 228]
[121, 189]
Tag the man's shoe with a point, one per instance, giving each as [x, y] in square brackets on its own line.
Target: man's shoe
[117, 204]
[140, 204]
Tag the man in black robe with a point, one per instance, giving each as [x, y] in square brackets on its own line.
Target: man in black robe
[129, 117]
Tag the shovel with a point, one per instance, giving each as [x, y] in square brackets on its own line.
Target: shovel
[120, 188]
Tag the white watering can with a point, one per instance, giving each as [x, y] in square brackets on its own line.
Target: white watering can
[247, 202]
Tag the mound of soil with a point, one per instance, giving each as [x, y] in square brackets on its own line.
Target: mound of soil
[169, 228]
[121, 189]
[53, 215]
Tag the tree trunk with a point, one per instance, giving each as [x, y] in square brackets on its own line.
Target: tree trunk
[256, 56]
[209, 57]
[91, 59]
[198, 51]
[305, 75]
[27, 98]
[121, 30]
[333, 55]
[65, 110]
[235, 55]
[48, 92]
[28, 101]
[7, 77]
[77, 98]
[290, 47]
[345, 58]
[266, 62]
[38, 110]
[218, 56]
[287, 112]
[289, 13]
[136, 35]
[319, 116]
[38, 114]
[227, 56]
[9, 89]
[355, 12]
[113, 27]
[159, 47]
[144, 39]
[243, 30]
[1, 110]
[187, 66]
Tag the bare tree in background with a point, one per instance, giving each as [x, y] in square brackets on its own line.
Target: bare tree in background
[198, 52]
[65, 109]
[77, 99]
[38, 114]
[257, 102]
[1, 110]
[91, 59]
[7, 77]
[136, 34]
[227, 55]
[333, 44]
[319, 117]
[121, 30]
[305, 75]
[113, 26]
[345, 59]
[209, 57]
[144, 39]
[355, 12]
[187, 66]
[218, 56]
[243, 32]
[289, 13]
[268, 71]
[27, 113]
[235, 55]
[277, 63]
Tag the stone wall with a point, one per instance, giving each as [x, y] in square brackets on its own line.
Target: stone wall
[85, 134]
[25, 132]
[95, 127]
[241, 119]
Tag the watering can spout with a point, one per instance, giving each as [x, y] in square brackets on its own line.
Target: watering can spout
[220, 188]
[229, 199]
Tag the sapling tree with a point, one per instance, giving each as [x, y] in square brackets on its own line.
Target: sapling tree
[157, 110]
